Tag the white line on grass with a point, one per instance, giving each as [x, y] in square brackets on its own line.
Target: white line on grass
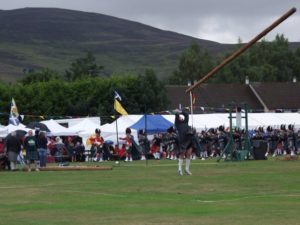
[167, 164]
[249, 197]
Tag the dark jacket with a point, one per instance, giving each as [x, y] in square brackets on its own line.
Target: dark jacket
[42, 142]
[13, 144]
[182, 127]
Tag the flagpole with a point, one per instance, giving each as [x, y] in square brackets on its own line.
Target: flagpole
[146, 135]
[117, 130]
[118, 108]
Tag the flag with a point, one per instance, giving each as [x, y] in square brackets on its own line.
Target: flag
[14, 114]
[117, 105]
[119, 108]
[117, 96]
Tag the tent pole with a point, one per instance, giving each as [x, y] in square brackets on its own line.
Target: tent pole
[146, 136]
[117, 130]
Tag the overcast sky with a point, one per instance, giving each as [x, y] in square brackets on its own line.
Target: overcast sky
[223, 21]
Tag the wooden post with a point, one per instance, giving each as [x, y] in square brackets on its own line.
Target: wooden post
[243, 48]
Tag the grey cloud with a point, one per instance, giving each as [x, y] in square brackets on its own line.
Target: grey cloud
[219, 20]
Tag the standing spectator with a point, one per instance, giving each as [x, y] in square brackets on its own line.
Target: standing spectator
[185, 140]
[128, 144]
[42, 148]
[70, 145]
[30, 145]
[144, 144]
[171, 143]
[13, 146]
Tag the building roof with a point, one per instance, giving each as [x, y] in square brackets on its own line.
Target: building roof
[284, 96]
[279, 95]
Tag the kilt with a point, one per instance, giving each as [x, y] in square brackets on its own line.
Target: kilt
[185, 144]
[32, 155]
[12, 156]
[128, 149]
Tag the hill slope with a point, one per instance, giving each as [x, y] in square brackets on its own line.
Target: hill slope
[50, 37]
[53, 38]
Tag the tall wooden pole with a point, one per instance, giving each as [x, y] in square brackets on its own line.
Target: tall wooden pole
[243, 48]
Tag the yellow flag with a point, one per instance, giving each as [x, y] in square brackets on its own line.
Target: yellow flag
[119, 108]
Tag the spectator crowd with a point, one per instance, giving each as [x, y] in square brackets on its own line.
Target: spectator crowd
[38, 149]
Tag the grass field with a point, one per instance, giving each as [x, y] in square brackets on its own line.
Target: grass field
[243, 193]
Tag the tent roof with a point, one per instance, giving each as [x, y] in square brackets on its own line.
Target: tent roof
[109, 131]
[57, 130]
[122, 123]
[152, 124]
[85, 126]
[5, 130]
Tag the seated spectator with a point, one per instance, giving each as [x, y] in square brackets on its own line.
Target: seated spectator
[51, 146]
[122, 152]
[155, 148]
[61, 150]
[114, 153]
[2, 145]
[3, 159]
[78, 152]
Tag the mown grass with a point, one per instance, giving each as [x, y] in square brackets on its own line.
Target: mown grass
[248, 192]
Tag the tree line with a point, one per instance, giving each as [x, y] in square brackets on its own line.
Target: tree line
[45, 94]
[264, 62]
[86, 90]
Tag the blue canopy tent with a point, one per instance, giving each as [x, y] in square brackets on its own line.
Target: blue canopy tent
[152, 124]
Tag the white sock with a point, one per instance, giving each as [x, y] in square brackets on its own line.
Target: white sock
[180, 162]
[187, 164]
[12, 166]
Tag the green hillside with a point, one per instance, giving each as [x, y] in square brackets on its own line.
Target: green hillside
[32, 38]
[53, 38]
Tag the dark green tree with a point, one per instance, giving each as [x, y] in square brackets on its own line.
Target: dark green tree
[263, 62]
[150, 93]
[83, 68]
[43, 75]
[193, 65]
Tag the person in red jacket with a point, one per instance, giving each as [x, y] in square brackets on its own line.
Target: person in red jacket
[128, 144]
[97, 142]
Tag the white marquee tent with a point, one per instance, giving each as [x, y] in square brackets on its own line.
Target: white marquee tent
[5, 130]
[214, 120]
[85, 127]
[57, 130]
[109, 131]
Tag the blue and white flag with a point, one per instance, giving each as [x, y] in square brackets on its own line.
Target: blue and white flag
[117, 96]
[14, 114]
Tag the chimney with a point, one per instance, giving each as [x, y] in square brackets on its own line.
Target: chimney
[247, 80]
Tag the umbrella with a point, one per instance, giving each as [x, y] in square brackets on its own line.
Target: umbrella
[19, 134]
[38, 125]
[108, 142]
